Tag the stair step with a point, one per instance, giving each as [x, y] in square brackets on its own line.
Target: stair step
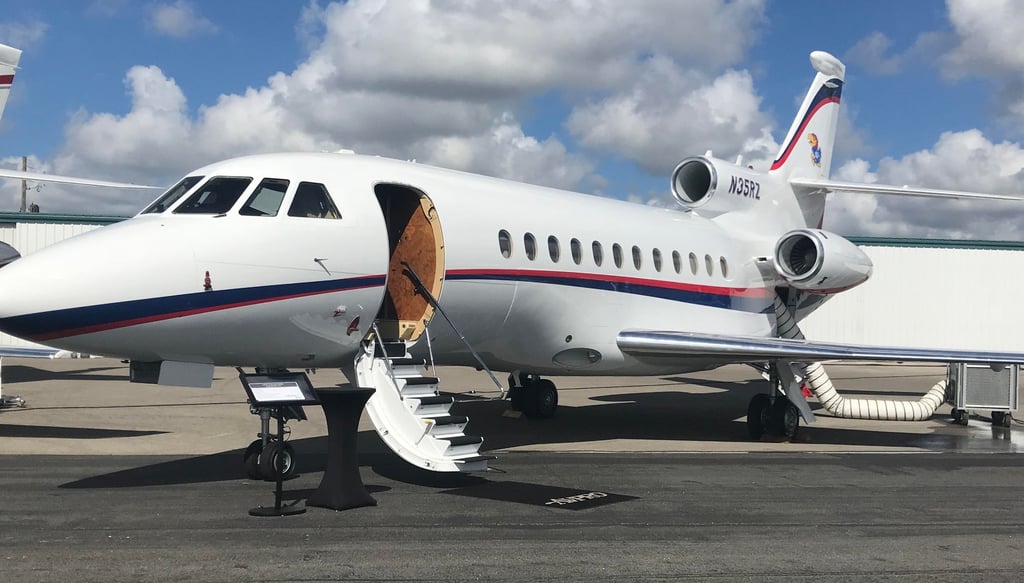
[421, 381]
[406, 361]
[475, 458]
[462, 440]
[391, 349]
[436, 400]
[450, 420]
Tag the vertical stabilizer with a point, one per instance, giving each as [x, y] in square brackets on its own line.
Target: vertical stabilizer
[9, 57]
[807, 150]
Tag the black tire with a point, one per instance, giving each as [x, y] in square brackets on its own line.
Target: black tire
[1001, 419]
[544, 399]
[757, 415]
[785, 418]
[269, 457]
[251, 460]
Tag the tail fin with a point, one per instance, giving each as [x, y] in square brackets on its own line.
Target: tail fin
[807, 150]
[9, 57]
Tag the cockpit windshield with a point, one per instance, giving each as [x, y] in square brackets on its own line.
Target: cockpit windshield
[172, 195]
[216, 197]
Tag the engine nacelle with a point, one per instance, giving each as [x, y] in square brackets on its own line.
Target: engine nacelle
[716, 186]
[820, 262]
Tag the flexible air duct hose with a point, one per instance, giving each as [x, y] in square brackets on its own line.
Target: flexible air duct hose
[840, 406]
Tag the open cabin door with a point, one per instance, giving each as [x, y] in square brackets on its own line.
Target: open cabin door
[414, 238]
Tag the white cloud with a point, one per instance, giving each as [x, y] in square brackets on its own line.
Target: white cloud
[670, 113]
[22, 35]
[959, 161]
[437, 81]
[990, 43]
[179, 20]
[871, 54]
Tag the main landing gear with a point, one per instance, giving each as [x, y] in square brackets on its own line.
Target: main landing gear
[537, 398]
[772, 414]
[260, 459]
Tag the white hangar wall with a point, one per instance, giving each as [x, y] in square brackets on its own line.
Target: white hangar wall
[931, 294]
[30, 232]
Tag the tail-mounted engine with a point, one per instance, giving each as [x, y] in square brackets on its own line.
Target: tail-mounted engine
[716, 186]
[820, 262]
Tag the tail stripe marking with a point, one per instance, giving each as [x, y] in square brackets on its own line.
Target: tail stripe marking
[825, 96]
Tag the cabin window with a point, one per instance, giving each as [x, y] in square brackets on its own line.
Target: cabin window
[677, 261]
[693, 263]
[530, 244]
[505, 243]
[266, 199]
[554, 249]
[617, 255]
[172, 195]
[313, 201]
[725, 267]
[709, 264]
[577, 251]
[216, 197]
[656, 255]
[637, 257]
[598, 253]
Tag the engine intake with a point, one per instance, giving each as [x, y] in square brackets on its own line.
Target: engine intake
[715, 186]
[821, 262]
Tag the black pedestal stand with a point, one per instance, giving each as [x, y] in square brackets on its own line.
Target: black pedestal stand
[278, 509]
[342, 487]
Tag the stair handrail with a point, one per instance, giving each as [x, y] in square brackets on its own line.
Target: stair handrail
[387, 360]
[421, 288]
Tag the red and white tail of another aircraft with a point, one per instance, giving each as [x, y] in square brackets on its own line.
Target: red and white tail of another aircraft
[308, 259]
[9, 58]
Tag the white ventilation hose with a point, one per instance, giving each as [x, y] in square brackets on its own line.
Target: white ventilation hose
[840, 406]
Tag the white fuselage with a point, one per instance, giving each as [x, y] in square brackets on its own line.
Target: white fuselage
[286, 291]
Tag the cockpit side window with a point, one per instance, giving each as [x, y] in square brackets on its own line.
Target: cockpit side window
[266, 199]
[312, 200]
[216, 197]
[172, 195]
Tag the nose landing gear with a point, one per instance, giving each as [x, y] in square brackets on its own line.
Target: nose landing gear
[270, 455]
[537, 398]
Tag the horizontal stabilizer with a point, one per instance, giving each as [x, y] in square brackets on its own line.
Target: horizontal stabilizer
[39, 177]
[757, 349]
[29, 352]
[825, 186]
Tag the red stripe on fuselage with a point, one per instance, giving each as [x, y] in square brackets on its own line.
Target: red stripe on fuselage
[706, 289]
[6, 79]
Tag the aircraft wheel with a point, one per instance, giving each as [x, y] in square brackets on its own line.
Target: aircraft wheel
[543, 399]
[785, 418]
[269, 461]
[757, 415]
[1001, 419]
[251, 460]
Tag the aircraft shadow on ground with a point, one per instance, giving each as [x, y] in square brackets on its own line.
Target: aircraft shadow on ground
[657, 415]
[46, 431]
[27, 374]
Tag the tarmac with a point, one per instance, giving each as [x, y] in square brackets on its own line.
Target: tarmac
[634, 479]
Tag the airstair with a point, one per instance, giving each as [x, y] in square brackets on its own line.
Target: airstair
[410, 415]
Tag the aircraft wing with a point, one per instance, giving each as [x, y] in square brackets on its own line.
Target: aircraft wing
[743, 349]
[40, 177]
[33, 352]
[818, 185]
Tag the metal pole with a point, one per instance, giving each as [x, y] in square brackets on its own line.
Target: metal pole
[24, 184]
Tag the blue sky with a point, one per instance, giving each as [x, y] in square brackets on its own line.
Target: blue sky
[600, 97]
